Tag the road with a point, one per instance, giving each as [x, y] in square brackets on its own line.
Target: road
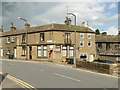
[48, 75]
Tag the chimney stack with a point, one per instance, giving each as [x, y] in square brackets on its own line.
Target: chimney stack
[12, 28]
[27, 25]
[85, 23]
[68, 21]
[1, 30]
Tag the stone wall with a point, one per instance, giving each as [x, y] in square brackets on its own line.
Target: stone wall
[98, 67]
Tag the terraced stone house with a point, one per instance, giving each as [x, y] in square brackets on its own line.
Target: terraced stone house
[52, 42]
[108, 47]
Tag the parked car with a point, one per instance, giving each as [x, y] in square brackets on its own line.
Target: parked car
[104, 61]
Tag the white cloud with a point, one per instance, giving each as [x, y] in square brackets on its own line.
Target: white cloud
[112, 31]
[91, 12]
[46, 13]
[113, 5]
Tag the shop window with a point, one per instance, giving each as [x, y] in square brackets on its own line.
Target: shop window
[57, 48]
[39, 51]
[71, 51]
[64, 51]
[45, 51]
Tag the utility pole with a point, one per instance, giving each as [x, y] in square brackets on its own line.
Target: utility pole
[26, 37]
[75, 48]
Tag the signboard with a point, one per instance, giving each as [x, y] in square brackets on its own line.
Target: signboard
[49, 41]
[51, 47]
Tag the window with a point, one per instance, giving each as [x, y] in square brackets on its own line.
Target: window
[100, 45]
[57, 48]
[81, 35]
[89, 43]
[64, 51]
[45, 51]
[107, 46]
[71, 51]
[41, 36]
[8, 39]
[89, 35]
[81, 43]
[23, 50]
[116, 47]
[83, 57]
[24, 38]
[39, 51]
[8, 50]
[67, 37]
[13, 39]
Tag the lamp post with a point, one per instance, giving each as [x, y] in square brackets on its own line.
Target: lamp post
[26, 36]
[75, 39]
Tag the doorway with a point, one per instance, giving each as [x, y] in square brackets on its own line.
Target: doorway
[30, 48]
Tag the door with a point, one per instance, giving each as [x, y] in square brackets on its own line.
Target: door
[15, 52]
[30, 52]
[91, 57]
[1, 52]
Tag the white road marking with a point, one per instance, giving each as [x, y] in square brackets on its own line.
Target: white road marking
[67, 77]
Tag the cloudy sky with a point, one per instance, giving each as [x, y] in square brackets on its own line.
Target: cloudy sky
[101, 15]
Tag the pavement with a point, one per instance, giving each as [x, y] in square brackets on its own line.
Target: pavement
[7, 83]
[48, 75]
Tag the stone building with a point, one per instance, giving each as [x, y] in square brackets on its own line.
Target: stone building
[52, 42]
[108, 47]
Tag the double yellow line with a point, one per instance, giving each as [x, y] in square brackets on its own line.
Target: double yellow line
[20, 82]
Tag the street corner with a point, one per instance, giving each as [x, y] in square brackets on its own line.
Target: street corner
[9, 82]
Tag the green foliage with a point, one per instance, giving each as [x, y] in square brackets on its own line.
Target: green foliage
[97, 32]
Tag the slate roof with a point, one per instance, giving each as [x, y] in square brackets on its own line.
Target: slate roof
[50, 27]
[107, 38]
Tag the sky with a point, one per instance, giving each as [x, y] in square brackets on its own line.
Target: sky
[100, 15]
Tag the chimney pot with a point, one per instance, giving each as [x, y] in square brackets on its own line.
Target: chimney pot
[12, 28]
[12, 24]
[27, 25]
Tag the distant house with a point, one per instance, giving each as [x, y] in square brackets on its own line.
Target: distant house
[52, 42]
[108, 47]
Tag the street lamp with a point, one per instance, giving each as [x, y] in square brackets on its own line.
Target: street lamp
[75, 39]
[26, 35]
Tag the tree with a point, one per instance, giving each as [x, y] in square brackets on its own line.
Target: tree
[97, 32]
